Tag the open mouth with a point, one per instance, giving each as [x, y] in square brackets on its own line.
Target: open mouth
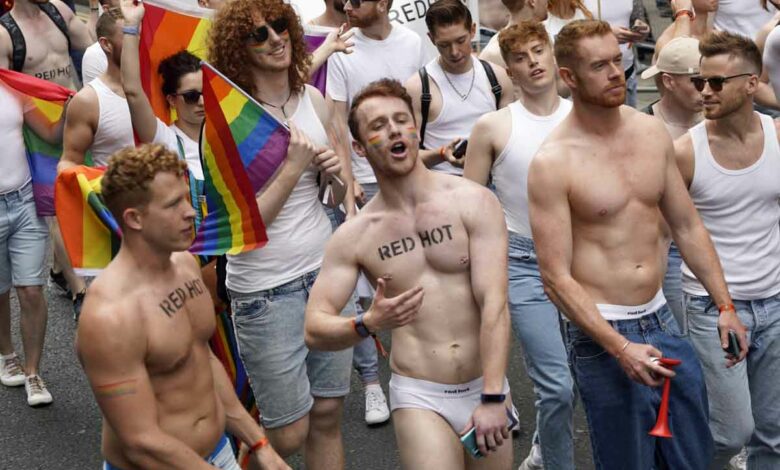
[399, 148]
[537, 73]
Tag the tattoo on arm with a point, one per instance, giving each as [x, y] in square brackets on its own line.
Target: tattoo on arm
[426, 238]
[176, 299]
[116, 389]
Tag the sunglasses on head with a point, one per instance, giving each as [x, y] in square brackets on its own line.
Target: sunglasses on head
[190, 96]
[261, 34]
[356, 3]
[716, 83]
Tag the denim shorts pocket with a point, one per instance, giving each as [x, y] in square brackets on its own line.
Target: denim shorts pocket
[698, 305]
[249, 308]
[586, 349]
[520, 254]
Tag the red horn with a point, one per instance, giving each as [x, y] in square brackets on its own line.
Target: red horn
[661, 428]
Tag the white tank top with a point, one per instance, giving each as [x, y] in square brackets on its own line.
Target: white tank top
[297, 237]
[510, 171]
[741, 210]
[457, 116]
[114, 129]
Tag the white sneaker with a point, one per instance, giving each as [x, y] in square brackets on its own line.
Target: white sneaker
[37, 394]
[739, 461]
[534, 459]
[11, 372]
[376, 406]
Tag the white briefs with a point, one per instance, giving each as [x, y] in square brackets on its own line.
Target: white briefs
[455, 403]
[631, 312]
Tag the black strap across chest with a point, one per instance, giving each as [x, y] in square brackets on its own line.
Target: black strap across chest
[18, 44]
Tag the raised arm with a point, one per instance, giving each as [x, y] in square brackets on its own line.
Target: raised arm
[112, 350]
[697, 249]
[80, 127]
[550, 215]
[337, 41]
[143, 118]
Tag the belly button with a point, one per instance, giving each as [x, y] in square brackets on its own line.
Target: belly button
[464, 260]
[455, 346]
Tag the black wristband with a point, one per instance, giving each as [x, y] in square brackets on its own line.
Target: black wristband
[360, 327]
[493, 398]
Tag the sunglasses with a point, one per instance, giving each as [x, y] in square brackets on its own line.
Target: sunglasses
[190, 96]
[260, 35]
[716, 83]
[356, 3]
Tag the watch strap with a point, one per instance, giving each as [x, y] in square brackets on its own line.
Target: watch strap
[493, 398]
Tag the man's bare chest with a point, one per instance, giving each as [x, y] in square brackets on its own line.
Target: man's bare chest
[46, 50]
[403, 248]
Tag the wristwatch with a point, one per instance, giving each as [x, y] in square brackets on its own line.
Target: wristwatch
[493, 398]
[360, 327]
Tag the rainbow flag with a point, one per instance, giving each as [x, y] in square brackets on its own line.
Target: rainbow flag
[168, 27]
[48, 101]
[242, 146]
[90, 232]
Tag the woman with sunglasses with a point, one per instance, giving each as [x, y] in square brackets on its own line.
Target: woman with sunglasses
[182, 85]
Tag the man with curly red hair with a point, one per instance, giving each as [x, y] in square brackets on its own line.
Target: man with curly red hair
[259, 45]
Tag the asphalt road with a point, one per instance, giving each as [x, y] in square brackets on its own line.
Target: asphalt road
[66, 434]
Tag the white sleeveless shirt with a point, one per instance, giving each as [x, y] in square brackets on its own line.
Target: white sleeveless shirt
[741, 210]
[510, 170]
[457, 116]
[297, 237]
[115, 128]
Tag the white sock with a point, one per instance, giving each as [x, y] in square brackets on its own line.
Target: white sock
[373, 388]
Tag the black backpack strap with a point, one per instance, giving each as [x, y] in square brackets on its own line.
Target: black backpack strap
[18, 45]
[425, 102]
[495, 87]
[56, 17]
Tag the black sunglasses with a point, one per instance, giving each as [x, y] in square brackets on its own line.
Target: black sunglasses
[716, 83]
[260, 35]
[190, 96]
[356, 3]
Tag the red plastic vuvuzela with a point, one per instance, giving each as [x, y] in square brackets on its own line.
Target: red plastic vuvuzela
[661, 428]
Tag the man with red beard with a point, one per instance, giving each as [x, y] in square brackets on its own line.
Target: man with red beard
[597, 189]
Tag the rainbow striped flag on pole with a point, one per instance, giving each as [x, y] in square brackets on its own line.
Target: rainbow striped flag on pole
[48, 101]
[168, 27]
[242, 146]
[90, 232]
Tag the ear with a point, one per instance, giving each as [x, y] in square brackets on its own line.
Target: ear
[531, 4]
[105, 45]
[132, 218]
[359, 148]
[473, 31]
[567, 75]
[382, 6]
[171, 100]
[666, 79]
[430, 36]
[752, 85]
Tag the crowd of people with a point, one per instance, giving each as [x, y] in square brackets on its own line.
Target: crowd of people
[516, 193]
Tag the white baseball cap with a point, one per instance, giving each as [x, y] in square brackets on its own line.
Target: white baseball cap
[679, 56]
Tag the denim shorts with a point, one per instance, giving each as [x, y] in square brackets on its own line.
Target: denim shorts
[23, 240]
[285, 375]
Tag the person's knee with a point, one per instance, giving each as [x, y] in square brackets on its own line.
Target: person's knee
[289, 439]
[30, 295]
[325, 415]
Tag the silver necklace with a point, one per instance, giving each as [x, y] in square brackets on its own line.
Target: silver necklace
[462, 96]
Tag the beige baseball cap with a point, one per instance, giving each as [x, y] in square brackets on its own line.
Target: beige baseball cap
[679, 56]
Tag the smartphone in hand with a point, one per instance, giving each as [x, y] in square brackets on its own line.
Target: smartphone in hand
[460, 150]
[469, 440]
[733, 347]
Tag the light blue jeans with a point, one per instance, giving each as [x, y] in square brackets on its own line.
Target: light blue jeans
[536, 324]
[744, 399]
[364, 357]
[632, 93]
[672, 288]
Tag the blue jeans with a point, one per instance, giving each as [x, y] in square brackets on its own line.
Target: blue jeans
[632, 94]
[744, 404]
[673, 288]
[365, 359]
[620, 411]
[536, 324]
[284, 374]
